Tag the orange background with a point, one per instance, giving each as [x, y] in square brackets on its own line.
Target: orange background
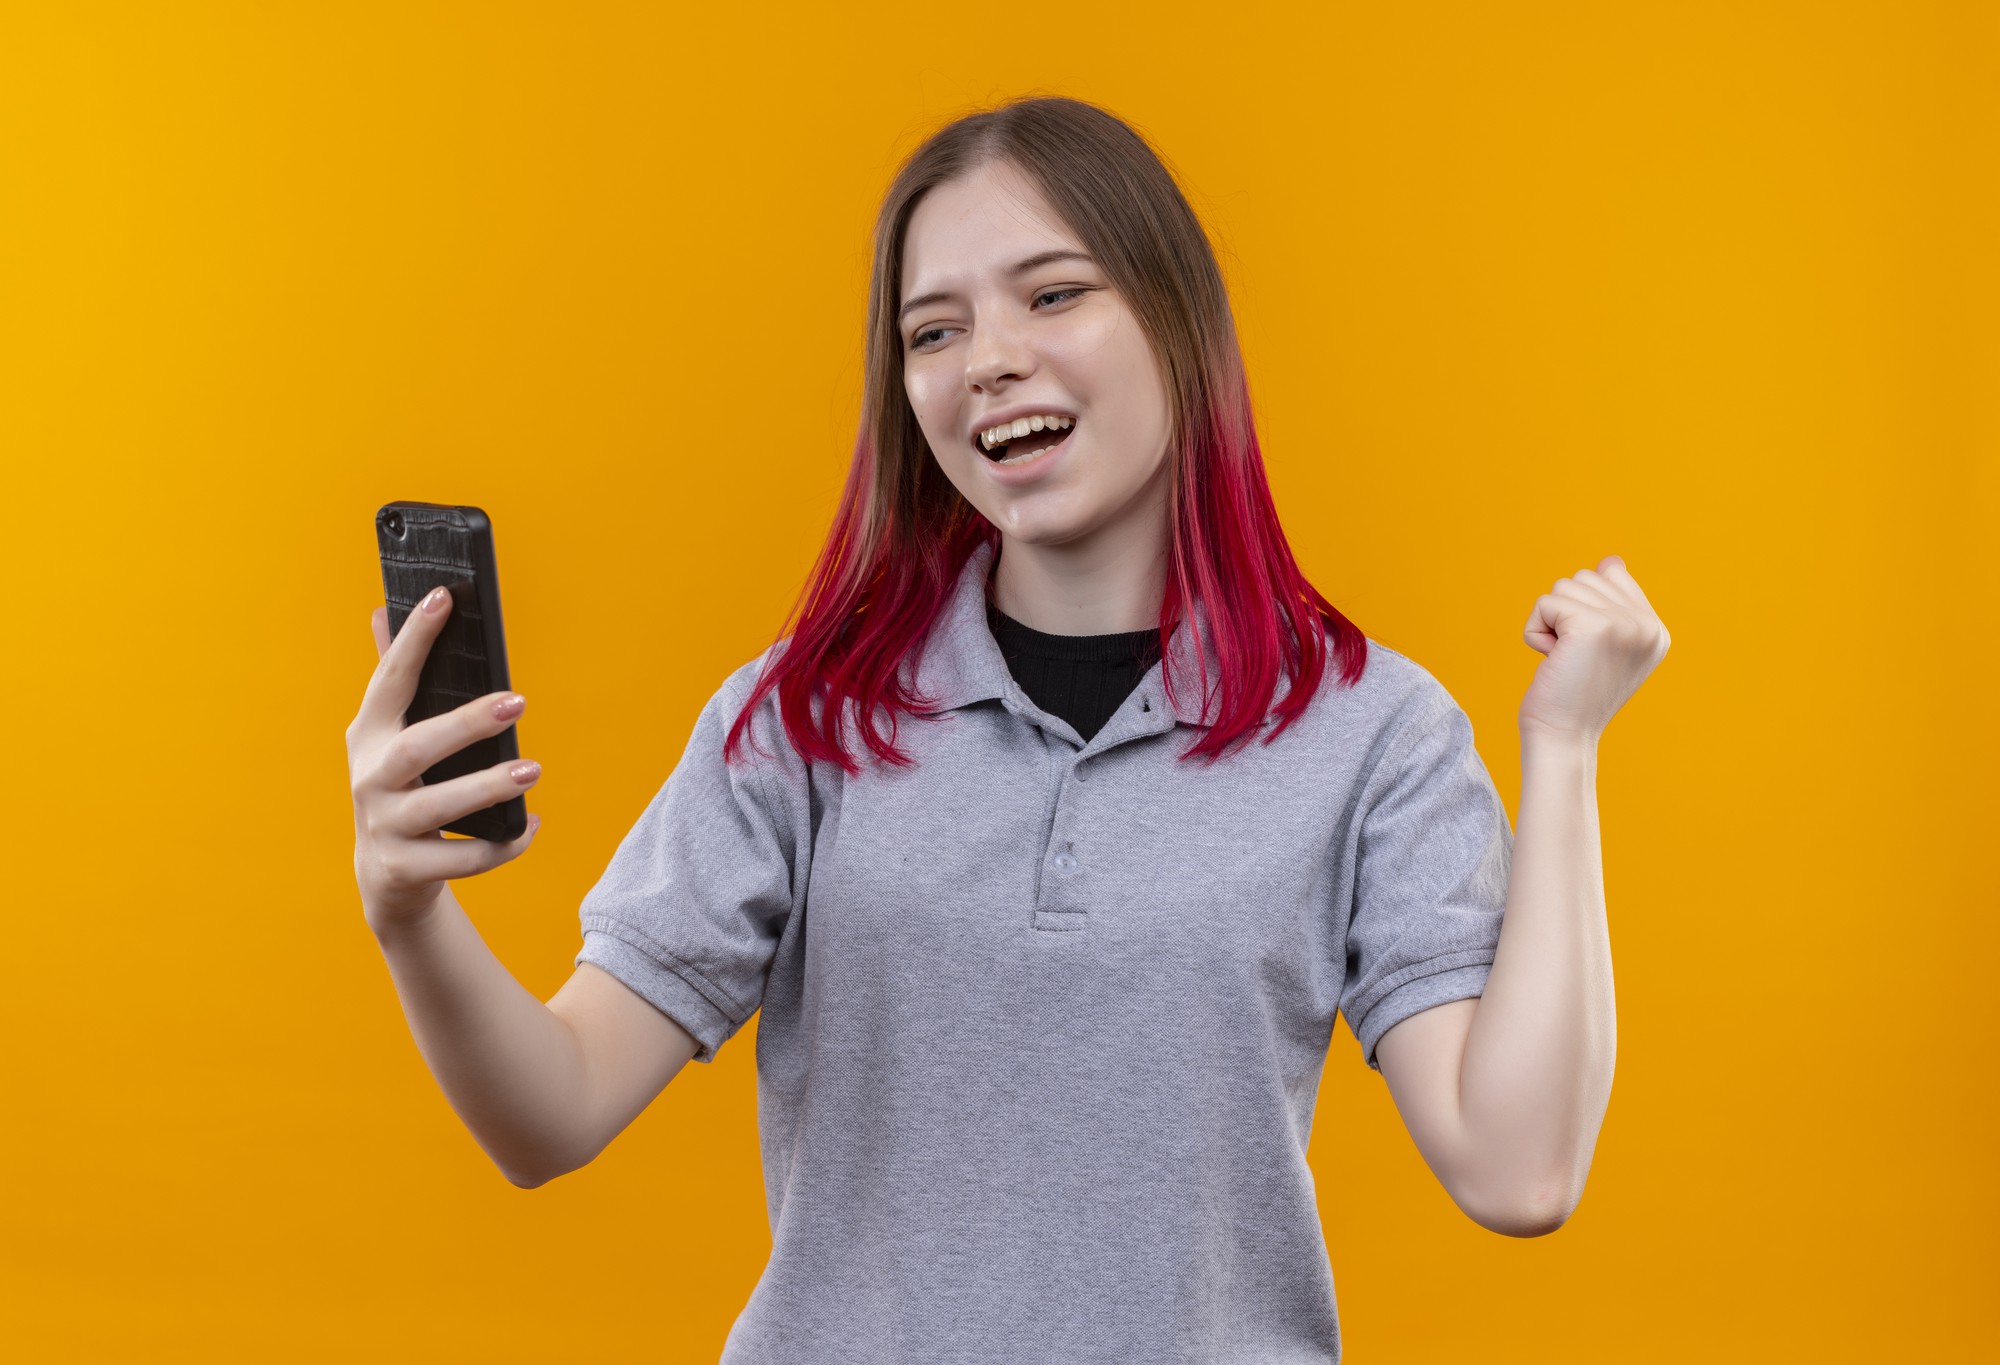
[1709, 286]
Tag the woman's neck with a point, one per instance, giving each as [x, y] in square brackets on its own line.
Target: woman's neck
[1092, 590]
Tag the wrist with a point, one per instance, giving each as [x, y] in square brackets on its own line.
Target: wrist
[396, 926]
[1545, 747]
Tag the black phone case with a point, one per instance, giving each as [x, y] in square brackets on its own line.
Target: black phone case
[423, 544]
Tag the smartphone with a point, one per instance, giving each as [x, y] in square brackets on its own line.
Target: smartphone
[423, 544]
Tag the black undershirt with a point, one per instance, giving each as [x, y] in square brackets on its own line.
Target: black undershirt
[1082, 678]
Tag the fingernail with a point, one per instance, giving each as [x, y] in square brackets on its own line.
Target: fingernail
[435, 600]
[509, 706]
[526, 772]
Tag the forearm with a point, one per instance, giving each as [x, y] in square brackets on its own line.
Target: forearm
[1540, 1050]
[511, 1068]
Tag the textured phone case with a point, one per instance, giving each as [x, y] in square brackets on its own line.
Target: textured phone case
[421, 545]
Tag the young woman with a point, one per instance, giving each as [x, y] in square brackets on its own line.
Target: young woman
[1052, 839]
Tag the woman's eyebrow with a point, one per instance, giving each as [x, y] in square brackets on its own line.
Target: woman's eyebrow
[1034, 262]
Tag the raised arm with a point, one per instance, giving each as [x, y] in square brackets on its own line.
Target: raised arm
[543, 1088]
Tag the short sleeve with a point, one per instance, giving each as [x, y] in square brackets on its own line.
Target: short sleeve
[690, 910]
[1430, 885]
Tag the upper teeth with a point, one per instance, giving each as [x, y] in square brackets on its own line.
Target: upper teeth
[1021, 426]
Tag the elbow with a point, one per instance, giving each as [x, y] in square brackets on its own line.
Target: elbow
[1525, 1221]
[531, 1178]
[1532, 1211]
[542, 1167]
[535, 1179]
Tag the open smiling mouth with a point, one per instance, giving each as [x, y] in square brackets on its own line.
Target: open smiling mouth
[1022, 449]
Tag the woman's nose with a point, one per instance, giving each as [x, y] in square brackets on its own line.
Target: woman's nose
[1000, 351]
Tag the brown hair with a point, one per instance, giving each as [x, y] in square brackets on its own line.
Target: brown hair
[903, 531]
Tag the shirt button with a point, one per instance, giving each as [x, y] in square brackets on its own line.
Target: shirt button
[1065, 862]
[1081, 775]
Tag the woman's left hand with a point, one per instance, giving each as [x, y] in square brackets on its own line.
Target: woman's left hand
[1601, 639]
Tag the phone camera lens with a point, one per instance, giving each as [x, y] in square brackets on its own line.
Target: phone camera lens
[393, 523]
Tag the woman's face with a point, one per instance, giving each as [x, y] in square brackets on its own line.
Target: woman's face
[983, 340]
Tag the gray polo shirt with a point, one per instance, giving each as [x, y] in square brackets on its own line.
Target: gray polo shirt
[1043, 1021]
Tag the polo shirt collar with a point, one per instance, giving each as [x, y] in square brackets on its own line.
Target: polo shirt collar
[961, 663]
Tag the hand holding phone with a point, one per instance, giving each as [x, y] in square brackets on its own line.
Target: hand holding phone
[425, 753]
[401, 858]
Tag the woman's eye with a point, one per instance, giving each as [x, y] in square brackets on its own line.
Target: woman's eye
[917, 342]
